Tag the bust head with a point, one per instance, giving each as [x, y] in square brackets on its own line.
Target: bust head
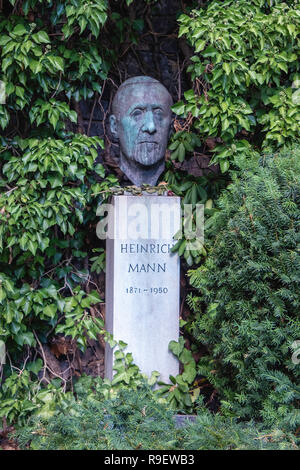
[141, 121]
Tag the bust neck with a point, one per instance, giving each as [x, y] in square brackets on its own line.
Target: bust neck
[141, 174]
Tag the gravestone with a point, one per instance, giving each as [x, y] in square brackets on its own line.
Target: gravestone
[142, 281]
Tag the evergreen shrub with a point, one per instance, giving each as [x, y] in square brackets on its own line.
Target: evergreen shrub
[247, 311]
[136, 420]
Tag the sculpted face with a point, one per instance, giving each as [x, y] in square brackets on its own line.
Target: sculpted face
[141, 121]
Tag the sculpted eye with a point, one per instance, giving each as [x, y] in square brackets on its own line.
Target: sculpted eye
[158, 112]
[136, 113]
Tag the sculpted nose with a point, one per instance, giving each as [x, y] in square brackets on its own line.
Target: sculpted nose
[149, 124]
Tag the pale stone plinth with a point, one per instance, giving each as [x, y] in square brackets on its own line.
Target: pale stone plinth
[142, 281]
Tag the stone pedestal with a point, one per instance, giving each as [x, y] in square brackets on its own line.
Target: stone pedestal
[142, 281]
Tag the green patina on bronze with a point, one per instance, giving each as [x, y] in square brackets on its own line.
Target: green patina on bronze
[141, 122]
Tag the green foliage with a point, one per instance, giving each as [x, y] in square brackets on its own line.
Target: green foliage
[135, 419]
[247, 311]
[79, 324]
[50, 189]
[126, 372]
[49, 183]
[42, 68]
[181, 143]
[245, 66]
[23, 312]
[180, 394]
[21, 396]
[98, 261]
[194, 192]
[91, 15]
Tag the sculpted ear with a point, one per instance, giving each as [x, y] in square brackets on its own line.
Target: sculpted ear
[113, 125]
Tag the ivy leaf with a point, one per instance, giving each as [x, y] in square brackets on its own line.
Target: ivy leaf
[35, 366]
[25, 338]
[224, 165]
[94, 297]
[32, 246]
[4, 40]
[200, 45]
[73, 116]
[178, 108]
[19, 30]
[177, 347]
[50, 310]
[41, 37]
[82, 23]
[283, 66]
[226, 67]
[56, 62]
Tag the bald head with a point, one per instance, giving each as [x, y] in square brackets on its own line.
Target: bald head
[139, 88]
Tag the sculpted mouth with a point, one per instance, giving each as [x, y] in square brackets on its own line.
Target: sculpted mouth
[147, 152]
[147, 142]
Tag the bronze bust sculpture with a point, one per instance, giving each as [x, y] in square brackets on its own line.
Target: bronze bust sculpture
[141, 122]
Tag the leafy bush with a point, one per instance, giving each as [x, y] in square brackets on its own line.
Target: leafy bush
[134, 419]
[22, 395]
[43, 74]
[245, 73]
[250, 285]
[50, 189]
